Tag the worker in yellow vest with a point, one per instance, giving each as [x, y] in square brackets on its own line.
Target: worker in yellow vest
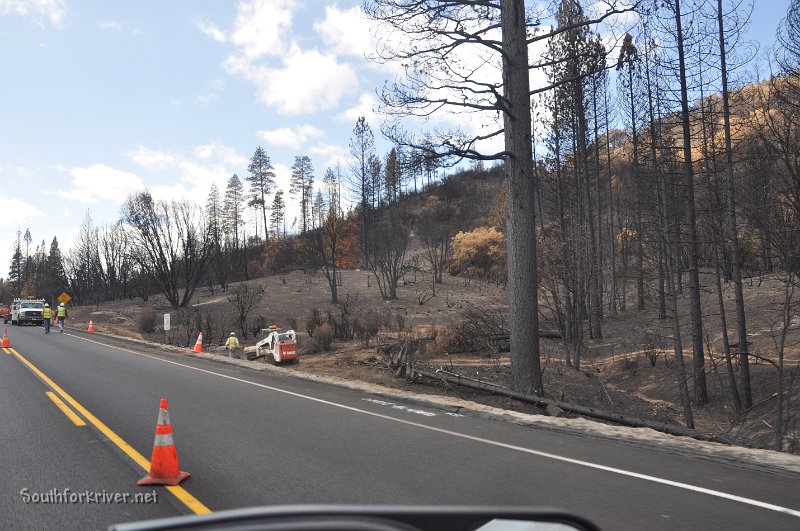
[232, 345]
[47, 316]
[61, 316]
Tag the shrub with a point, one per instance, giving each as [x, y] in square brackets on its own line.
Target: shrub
[650, 348]
[313, 321]
[479, 253]
[358, 330]
[146, 321]
[349, 303]
[630, 365]
[323, 336]
[372, 325]
[451, 338]
[344, 328]
[386, 319]
[310, 347]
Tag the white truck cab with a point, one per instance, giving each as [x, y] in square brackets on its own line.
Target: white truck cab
[27, 311]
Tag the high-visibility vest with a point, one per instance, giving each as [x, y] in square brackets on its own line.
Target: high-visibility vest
[47, 313]
[232, 342]
[61, 311]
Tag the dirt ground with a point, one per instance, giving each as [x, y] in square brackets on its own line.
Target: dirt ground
[616, 372]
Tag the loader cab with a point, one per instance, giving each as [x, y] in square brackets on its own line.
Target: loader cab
[266, 333]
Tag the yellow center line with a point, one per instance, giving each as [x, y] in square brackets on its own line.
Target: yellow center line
[7, 351]
[71, 415]
[179, 492]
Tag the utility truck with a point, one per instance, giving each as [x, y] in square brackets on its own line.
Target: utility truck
[27, 311]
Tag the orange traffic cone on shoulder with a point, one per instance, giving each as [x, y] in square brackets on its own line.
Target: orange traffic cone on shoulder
[198, 346]
[164, 469]
[91, 326]
[6, 343]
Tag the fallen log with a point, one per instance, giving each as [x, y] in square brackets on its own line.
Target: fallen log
[544, 334]
[400, 356]
[502, 341]
[633, 422]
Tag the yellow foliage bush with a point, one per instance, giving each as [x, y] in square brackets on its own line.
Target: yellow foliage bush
[478, 253]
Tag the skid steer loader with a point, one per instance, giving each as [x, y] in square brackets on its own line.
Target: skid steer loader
[278, 346]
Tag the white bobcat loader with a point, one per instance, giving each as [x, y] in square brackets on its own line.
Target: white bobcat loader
[278, 346]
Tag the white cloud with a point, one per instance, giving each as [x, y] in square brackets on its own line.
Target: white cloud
[212, 30]
[15, 209]
[347, 32]
[239, 64]
[151, 158]
[220, 153]
[211, 95]
[40, 11]
[290, 78]
[99, 183]
[198, 176]
[169, 192]
[110, 25]
[283, 175]
[308, 81]
[365, 106]
[330, 154]
[116, 25]
[212, 152]
[192, 173]
[261, 26]
[291, 137]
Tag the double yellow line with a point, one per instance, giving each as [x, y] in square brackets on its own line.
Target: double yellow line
[71, 415]
[179, 492]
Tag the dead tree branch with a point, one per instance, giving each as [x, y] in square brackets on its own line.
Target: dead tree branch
[663, 427]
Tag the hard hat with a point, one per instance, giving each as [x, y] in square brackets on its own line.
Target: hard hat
[62, 304]
[233, 334]
[46, 305]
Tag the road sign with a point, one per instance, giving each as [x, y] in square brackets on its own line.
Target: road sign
[64, 298]
[166, 321]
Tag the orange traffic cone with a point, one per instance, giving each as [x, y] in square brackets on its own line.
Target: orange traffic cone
[6, 343]
[164, 469]
[91, 326]
[198, 347]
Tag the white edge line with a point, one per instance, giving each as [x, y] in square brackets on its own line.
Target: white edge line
[587, 464]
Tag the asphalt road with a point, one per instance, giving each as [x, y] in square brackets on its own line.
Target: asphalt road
[252, 438]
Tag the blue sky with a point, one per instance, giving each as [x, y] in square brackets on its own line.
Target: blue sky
[103, 98]
[99, 99]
